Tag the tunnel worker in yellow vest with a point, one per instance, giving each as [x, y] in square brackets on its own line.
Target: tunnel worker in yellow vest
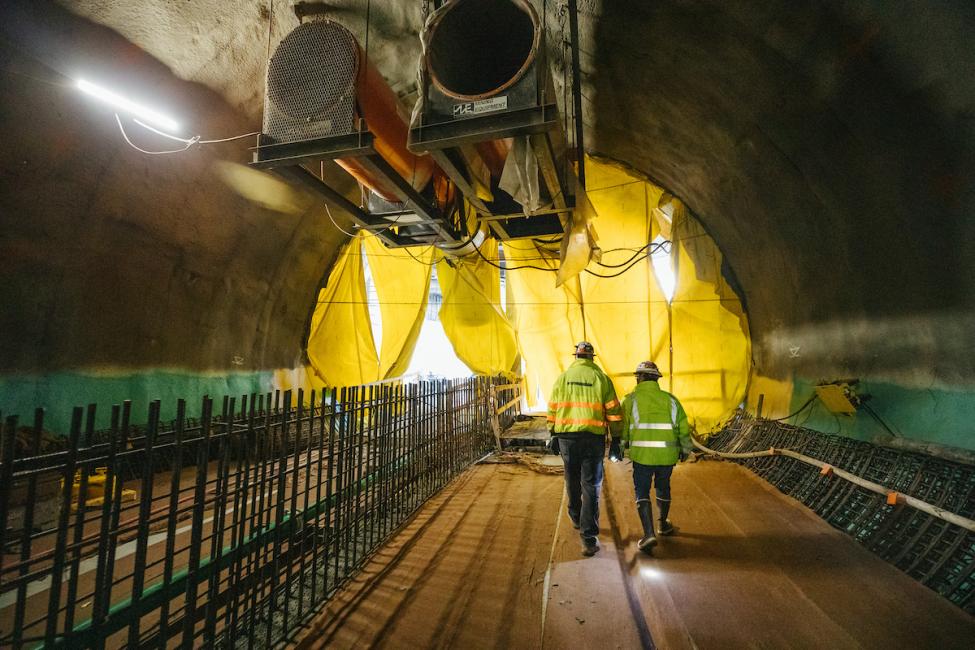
[582, 406]
[656, 432]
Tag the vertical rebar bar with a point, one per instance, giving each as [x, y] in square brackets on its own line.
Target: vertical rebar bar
[196, 530]
[145, 508]
[27, 528]
[174, 492]
[57, 563]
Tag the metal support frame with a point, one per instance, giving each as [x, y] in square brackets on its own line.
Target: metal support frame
[444, 140]
[286, 160]
[577, 89]
[301, 176]
[493, 126]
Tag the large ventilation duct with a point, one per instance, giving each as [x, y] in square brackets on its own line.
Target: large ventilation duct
[478, 49]
[486, 87]
[320, 84]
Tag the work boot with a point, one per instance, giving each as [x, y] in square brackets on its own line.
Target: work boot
[646, 518]
[590, 546]
[665, 528]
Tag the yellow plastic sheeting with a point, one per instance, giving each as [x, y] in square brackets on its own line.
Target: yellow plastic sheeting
[777, 392]
[548, 319]
[579, 241]
[471, 313]
[627, 317]
[712, 350]
[341, 347]
[403, 284]
[340, 344]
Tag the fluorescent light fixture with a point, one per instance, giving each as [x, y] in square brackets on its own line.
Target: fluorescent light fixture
[123, 104]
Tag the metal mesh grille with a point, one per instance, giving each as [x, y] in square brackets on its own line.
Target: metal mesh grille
[311, 84]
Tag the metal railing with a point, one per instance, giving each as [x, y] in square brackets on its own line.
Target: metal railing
[227, 531]
[913, 510]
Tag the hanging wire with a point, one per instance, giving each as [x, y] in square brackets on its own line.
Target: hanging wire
[125, 136]
[328, 211]
[633, 261]
[187, 142]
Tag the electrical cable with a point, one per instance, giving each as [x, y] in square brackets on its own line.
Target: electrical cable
[635, 255]
[629, 265]
[419, 261]
[876, 416]
[146, 151]
[797, 412]
[328, 211]
[188, 142]
[233, 137]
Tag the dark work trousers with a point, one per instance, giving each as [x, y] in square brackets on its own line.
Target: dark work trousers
[583, 461]
[657, 475]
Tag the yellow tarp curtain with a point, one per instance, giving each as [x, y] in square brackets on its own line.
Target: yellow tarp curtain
[340, 344]
[627, 318]
[471, 314]
[626, 315]
[341, 348]
[548, 319]
[712, 349]
[402, 280]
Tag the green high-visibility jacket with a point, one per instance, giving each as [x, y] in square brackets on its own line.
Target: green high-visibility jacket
[654, 425]
[583, 400]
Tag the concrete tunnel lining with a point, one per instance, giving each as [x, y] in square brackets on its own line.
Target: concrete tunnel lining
[831, 143]
[827, 147]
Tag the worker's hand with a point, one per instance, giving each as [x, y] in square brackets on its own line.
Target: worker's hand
[615, 451]
[681, 456]
[553, 445]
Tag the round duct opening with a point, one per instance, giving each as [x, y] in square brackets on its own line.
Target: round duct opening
[479, 48]
[313, 69]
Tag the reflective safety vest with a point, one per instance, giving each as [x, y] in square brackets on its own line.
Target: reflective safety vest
[584, 400]
[654, 425]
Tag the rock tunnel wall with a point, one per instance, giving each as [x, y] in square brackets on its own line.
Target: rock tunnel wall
[127, 275]
[828, 148]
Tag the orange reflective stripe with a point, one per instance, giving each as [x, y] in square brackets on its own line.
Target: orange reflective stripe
[611, 405]
[550, 418]
[614, 418]
[582, 421]
[596, 406]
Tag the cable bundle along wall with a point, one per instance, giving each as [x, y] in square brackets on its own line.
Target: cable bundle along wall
[229, 530]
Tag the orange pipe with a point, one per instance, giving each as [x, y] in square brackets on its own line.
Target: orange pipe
[494, 153]
[379, 106]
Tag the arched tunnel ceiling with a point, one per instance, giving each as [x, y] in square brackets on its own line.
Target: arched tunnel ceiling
[827, 146]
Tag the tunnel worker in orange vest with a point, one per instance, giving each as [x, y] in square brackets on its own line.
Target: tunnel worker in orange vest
[582, 406]
[656, 432]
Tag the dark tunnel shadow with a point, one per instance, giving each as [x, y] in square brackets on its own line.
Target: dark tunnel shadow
[835, 181]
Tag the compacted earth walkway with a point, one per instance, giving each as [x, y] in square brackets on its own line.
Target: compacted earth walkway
[493, 562]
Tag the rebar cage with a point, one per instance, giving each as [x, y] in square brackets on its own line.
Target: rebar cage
[229, 530]
[934, 552]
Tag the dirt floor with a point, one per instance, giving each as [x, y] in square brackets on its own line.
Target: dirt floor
[749, 568]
